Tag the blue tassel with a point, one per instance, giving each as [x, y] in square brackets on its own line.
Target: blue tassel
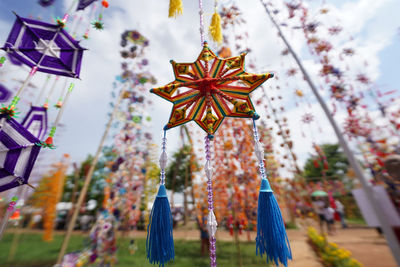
[271, 234]
[160, 242]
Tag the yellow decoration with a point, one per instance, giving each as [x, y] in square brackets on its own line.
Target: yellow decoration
[215, 28]
[175, 8]
[299, 93]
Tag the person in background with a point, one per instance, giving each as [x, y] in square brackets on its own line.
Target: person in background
[340, 211]
[202, 223]
[319, 205]
[329, 213]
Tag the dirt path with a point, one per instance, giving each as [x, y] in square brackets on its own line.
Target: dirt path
[366, 245]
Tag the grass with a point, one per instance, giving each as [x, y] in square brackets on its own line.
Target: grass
[356, 221]
[33, 252]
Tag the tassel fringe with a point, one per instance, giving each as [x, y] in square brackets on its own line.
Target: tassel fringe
[271, 234]
[215, 28]
[175, 8]
[159, 242]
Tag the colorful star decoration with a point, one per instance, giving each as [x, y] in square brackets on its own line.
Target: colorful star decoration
[209, 90]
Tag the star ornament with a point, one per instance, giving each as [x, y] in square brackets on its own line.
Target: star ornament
[209, 90]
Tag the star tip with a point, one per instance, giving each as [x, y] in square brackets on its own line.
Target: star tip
[152, 90]
[271, 75]
[256, 116]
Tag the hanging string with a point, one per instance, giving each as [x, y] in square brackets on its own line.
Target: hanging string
[259, 151]
[49, 141]
[43, 89]
[60, 99]
[211, 221]
[163, 158]
[12, 206]
[201, 13]
[46, 102]
[92, 12]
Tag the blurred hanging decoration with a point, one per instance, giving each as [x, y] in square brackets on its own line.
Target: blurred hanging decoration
[52, 54]
[175, 8]
[215, 26]
[4, 93]
[82, 4]
[307, 118]
[2, 60]
[46, 3]
[98, 23]
[231, 16]
[101, 249]
[210, 89]
[35, 121]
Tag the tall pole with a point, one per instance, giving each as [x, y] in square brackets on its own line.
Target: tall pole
[88, 178]
[368, 190]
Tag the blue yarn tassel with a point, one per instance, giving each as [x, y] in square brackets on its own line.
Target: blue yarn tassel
[271, 234]
[160, 242]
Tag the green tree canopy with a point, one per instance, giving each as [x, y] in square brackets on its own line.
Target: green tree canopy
[337, 163]
[179, 168]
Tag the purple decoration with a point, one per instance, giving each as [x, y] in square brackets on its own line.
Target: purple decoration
[84, 3]
[45, 46]
[18, 153]
[36, 121]
[14, 61]
[46, 3]
[213, 254]
[4, 93]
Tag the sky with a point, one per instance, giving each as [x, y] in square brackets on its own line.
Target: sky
[374, 26]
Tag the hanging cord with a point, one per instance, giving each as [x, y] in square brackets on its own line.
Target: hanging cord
[201, 13]
[163, 159]
[42, 90]
[46, 102]
[259, 151]
[211, 221]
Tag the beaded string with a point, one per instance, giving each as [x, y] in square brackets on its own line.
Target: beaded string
[259, 151]
[163, 159]
[211, 221]
[201, 13]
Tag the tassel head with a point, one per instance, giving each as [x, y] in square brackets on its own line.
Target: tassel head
[215, 28]
[271, 237]
[159, 242]
[175, 8]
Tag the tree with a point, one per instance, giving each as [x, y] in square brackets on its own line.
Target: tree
[337, 164]
[74, 182]
[178, 169]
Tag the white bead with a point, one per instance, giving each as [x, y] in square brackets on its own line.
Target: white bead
[208, 169]
[163, 160]
[211, 224]
[259, 151]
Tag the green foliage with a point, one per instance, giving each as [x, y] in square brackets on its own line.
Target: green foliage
[179, 168]
[97, 183]
[337, 162]
[32, 252]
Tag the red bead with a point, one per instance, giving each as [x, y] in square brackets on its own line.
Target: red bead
[104, 3]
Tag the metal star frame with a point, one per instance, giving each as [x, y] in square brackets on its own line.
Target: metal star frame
[209, 90]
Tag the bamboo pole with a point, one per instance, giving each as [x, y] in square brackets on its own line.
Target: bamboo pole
[367, 188]
[88, 178]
